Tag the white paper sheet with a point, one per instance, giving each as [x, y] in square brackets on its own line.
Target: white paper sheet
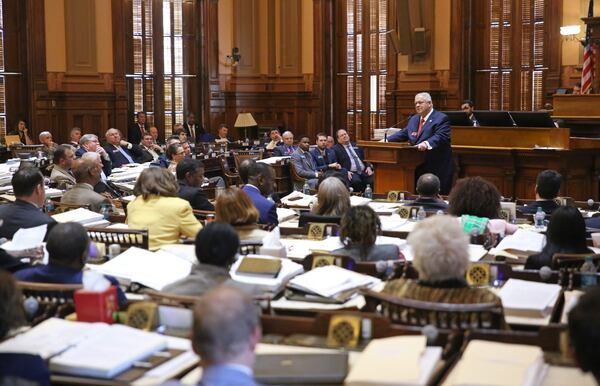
[27, 238]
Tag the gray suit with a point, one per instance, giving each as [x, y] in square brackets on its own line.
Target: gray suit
[63, 178]
[83, 194]
[373, 253]
[305, 167]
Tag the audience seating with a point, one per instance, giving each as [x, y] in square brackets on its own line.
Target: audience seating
[231, 176]
[241, 155]
[126, 238]
[442, 315]
[54, 300]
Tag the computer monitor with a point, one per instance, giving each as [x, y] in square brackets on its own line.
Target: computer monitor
[493, 118]
[458, 118]
[532, 119]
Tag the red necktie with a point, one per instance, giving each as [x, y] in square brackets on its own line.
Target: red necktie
[421, 123]
[143, 130]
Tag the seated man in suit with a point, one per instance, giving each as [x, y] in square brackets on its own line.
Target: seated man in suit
[467, 107]
[87, 174]
[429, 132]
[274, 140]
[547, 186]
[428, 187]
[61, 171]
[304, 165]
[74, 137]
[190, 176]
[288, 146]
[323, 156]
[351, 158]
[102, 186]
[26, 211]
[222, 135]
[584, 322]
[260, 184]
[136, 131]
[68, 248]
[121, 152]
[225, 334]
[150, 150]
[90, 143]
[49, 145]
[154, 133]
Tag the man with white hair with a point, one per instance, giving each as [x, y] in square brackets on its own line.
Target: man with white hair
[49, 145]
[429, 131]
[288, 147]
[121, 152]
[90, 143]
[101, 186]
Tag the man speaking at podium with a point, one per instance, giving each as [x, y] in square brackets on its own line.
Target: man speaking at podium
[429, 131]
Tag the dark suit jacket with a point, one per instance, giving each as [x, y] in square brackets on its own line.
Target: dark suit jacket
[21, 214]
[283, 150]
[436, 131]
[199, 130]
[195, 196]
[322, 161]
[146, 156]
[593, 222]
[544, 258]
[24, 369]
[548, 206]
[266, 208]
[343, 158]
[134, 133]
[430, 203]
[118, 159]
[106, 165]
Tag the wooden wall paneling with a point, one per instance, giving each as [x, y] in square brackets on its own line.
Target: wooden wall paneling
[496, 166]
[208, 64]
[192, 43]
[80, 35]
[122, 61]
[271, 38]
[290, 59]
[245, 37]
[553, 13]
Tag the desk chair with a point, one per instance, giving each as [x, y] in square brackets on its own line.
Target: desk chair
[308, 217]
[564, 261]
[249, 247]
[232, 177]
[413, 312]
[126, 238]
[240, 156]
[162, 298]
[54, 300]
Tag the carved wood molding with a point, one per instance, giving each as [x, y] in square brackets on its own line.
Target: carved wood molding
[65, 82]
[266, 83]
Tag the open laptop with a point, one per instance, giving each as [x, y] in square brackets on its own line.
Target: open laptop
[532, 119]
[493, 118]
[458, 118]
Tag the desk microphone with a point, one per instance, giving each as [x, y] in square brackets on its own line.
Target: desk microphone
[396, 125]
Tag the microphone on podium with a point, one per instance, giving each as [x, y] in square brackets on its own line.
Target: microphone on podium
[396, 125]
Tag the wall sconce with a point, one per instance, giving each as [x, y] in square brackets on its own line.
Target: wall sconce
[234, 59]
[570, 32]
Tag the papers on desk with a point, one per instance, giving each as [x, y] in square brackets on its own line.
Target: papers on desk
[379, 362]
[498, 364]
[53, 193]
[522, 241]
[152, 269]
[273, 160]
[530, 299]
[284, 214]
[299, 200]
[476, 252]
[384, 208]
[357, 201]
[288, 270]
[129, 198]
[396, 223]
[331, 280]
[355, 303]
[27, 238]
[80, 215]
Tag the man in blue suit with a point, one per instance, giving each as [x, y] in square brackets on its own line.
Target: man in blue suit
[352, 160]
[288, 147]
[323, 156]
[121, 152]
[429, 131]
[260, 184]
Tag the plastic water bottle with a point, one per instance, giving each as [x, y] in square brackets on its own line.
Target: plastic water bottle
[306, 187]
[369, 192]
[401, 197]
[539, 217]
[588, 273]
[49, 206]
[421, 214]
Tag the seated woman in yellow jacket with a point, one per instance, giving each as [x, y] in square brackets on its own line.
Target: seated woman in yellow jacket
[158, 209]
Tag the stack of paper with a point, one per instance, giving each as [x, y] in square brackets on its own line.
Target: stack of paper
[357, 201]
[299, 200]
[528, 298]
[379, 362]
[331, 280]
[498, 364]
[53, 193]
[273, 160]
[288, 270]
[80, 215]
[521, 242]
[152, 269]
[284, 214]
[384, 208]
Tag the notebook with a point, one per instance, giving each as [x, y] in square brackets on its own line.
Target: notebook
[259, 267]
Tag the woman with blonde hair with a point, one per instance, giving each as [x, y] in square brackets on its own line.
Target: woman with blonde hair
[234, 207]
[333, 201]
[158, 209]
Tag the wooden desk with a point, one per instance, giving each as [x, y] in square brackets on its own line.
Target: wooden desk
[503, 156]
[579, 112]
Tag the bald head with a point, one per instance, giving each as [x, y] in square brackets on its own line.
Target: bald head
[428, 185]
[113, 136]
[226, 327]
[288, 138]
[87, 170]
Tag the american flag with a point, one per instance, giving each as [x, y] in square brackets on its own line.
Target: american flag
[587, 74]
